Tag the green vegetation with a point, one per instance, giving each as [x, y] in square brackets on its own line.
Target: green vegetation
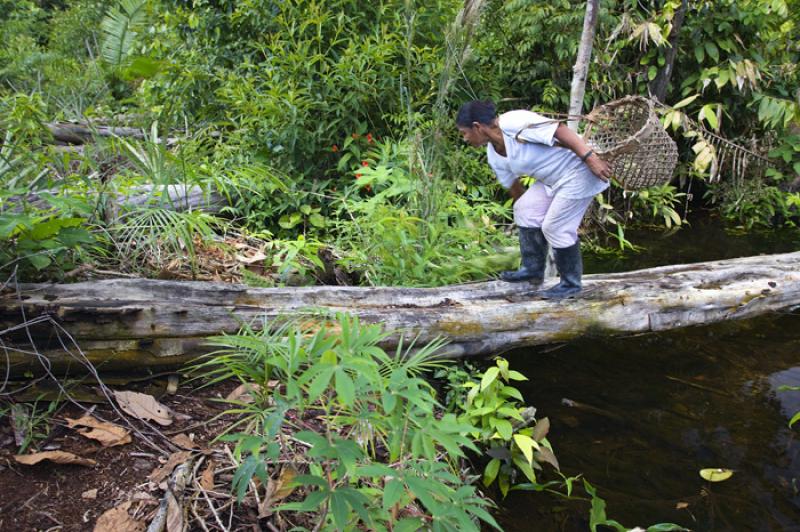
[366, 423]
[325, 130]
[327, 126]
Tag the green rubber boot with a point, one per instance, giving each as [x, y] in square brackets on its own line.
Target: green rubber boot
[533, 248]
[570, 269]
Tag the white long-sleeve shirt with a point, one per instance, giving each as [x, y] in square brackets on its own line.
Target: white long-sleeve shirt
[531, 151]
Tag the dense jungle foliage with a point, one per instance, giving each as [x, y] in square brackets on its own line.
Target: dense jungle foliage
[324, 129]
[328, 128]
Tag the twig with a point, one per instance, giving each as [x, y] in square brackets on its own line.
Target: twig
[210, 504]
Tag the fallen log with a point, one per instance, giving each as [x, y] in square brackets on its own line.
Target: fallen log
[143, 323]
[175, 197]
[72, 133]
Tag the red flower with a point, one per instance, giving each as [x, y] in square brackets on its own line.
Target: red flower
[364, 163]
[369, 138]
[358, 175]
[334, 148]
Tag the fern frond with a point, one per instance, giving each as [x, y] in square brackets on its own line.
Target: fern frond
[119, 28]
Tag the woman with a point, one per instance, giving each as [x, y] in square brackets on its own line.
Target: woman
[568, 175]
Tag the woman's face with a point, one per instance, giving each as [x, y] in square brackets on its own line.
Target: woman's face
[475, 135]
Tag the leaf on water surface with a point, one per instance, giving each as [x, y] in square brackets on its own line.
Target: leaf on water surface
[108, 434]
[118, 520]
[143, 406]
[59, 457]
[716, 474]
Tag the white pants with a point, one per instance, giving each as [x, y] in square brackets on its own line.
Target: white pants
[558, 217]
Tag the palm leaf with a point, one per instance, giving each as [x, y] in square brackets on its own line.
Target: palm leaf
[119, 28]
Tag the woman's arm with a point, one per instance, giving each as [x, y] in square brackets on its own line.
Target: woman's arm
[569, 139]
[516, 190]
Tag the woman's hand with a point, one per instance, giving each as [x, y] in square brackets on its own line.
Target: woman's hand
[599, 167]
[569, 139]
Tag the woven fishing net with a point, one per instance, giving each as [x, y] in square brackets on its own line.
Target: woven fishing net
[628, 135]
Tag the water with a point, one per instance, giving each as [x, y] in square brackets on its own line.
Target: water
[640, 416]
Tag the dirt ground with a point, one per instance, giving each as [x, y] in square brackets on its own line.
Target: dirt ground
[60, 497]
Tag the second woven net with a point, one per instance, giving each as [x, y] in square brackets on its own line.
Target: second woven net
[629, 136]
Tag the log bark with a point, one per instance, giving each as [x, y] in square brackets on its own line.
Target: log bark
[148, 323]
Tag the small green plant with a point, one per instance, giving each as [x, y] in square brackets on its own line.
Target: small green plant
[597, 516]
[152, 237]
[38, 240]
[494, 407]
[379, 455]
[660, 202]
[30, 421]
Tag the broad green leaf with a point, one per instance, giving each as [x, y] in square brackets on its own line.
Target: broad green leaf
[510, 412]
[392, 493]
[699, 53]
[317, 220]
[345, 388]
[39, 261]
[685, 101]
[504, 428]
[489, 377]
[389, 401]
[795, 419]
[490, 473]
[516, 376]
[510, 391]
[708, 113]
[716, 474]
[320, 383]
[712, 50]
[526, 468]
[409, 524]
[339, 510]
[526, 444]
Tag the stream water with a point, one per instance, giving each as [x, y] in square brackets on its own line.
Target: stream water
[638, 417]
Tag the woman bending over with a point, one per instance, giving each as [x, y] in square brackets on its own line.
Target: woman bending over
[567, 177]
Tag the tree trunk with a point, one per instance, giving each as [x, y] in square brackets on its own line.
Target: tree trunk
[148, 323]
[658, 87]
[581, 68]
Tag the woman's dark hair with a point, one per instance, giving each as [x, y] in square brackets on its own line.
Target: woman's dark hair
[479, 111]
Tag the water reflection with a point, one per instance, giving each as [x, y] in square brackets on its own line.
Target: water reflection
[639, 417]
